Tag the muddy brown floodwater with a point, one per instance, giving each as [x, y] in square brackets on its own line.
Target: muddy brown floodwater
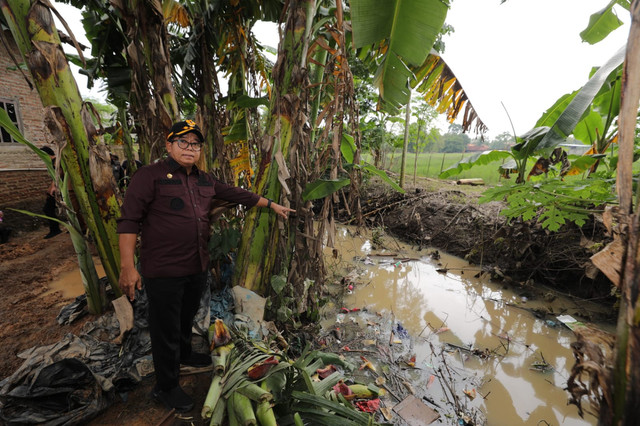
[521, 382]
[69, 283]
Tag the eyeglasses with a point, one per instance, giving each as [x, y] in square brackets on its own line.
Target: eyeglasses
[183, 144]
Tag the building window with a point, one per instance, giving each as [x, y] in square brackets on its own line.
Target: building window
[11, 108]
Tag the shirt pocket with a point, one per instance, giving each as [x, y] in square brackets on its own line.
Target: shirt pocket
[205, 195]
[171, 196]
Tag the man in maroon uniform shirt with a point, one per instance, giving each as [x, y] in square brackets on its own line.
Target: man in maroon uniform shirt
[168, 203]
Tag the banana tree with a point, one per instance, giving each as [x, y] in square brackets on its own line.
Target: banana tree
[153, 101]
[68, 120]
[261, 238]
[400, 36]
[96, 297]
[220, 40]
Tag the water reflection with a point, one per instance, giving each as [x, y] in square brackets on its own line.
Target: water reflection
[466, 312]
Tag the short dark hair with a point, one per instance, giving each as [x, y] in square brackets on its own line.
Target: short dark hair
[48, 150]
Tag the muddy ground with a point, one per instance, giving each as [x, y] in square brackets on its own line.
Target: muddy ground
[445, 217]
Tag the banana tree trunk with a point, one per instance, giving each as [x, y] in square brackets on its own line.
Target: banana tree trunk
[70, 124]
[405, 142]
[210, 115]
[415, 158]
[261, 237]
[625, 386]
[153, 99]
[127, 142]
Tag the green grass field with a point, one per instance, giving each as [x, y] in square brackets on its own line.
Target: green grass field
[432, 164]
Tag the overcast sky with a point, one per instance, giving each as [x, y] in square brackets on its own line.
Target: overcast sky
[523, 53]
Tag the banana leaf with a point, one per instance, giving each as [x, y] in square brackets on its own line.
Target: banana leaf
[575, 110]
[314, 406]
[478, 159]
[602, 23]
[323, 188]
[410, 27]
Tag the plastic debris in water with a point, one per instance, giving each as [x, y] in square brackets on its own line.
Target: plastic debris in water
[412, 361]
[431, 380]
[541, 366]
[400, 331]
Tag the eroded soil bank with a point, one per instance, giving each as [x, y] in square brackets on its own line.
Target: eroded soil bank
[524, 256]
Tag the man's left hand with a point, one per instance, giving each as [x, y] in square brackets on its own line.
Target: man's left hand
[281, 210]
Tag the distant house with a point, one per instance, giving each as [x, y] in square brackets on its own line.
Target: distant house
[476, 148]
[23, 176]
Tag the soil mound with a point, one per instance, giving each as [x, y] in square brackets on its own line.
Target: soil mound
[450, 218]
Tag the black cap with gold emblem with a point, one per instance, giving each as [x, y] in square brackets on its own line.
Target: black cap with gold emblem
[184, 127]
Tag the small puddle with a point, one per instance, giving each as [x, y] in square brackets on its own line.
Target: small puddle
[69, 283]
[473, 312]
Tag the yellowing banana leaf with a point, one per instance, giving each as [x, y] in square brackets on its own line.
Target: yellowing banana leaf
[242, 164]
[442, 90]
[175, 13]
[582, 164]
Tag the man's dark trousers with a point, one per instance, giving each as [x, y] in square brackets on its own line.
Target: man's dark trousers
[173, 303]
[49, 209]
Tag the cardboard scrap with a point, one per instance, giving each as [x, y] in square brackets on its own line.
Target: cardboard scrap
[415, 412]
[124, 314]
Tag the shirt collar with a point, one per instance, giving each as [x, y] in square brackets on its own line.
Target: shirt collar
[174, 166]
